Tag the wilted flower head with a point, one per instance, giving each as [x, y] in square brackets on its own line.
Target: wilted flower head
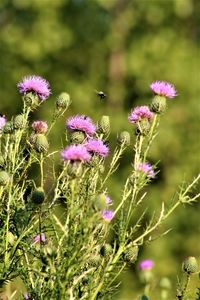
[146, 264]
[139, 113]
[82, 123]
[40, 126]
[147, 169]
[39, 238]
[2, 122]
[97, 146]
[107, 215]
[76, 153]
[163, 88]
[35, 84]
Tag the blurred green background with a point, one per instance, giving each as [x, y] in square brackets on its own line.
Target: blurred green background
[120, 47]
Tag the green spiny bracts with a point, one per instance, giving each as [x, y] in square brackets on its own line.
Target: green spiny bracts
[131, 253]
[2, 161]
[95, 260]
[77, 137]
[94, 161]
[63, 101]
[143, 127]
[158, 104]
[4, 178]
[31, 100]
[8, 128]
[38, 196]
[124, 138]
[19, 122]
[190, 265]
[41, 144]
[104, 125]
[74, 170]
[106, 250]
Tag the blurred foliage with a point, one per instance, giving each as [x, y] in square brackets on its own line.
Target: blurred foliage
[120, 47]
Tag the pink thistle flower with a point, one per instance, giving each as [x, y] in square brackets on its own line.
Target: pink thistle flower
[139, 113]
[82, 123]
[97, 146]
[76, 153]
[107, 215]
[35, 84]
[2, 122]
[146, 264]
[40, 126]
[163, 88]
[147, 169]
[39, 238]
[108, 200]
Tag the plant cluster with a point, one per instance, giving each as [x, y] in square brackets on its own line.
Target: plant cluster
[62, 233]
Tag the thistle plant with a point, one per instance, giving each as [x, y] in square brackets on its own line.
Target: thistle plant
[62, 233]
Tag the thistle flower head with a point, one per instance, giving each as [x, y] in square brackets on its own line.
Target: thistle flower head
[35, 84]
[75, 153]
[107, 215]
[139, 113]
[96, 146]
[82, 123]
[146, 264]
[108, 200]
[40, 126]
[39, 238]
[2, 122]
[147, 169]
[163, 88]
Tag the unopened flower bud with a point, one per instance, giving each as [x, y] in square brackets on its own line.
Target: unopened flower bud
[190, 265]
[165, 283]
[104, 125]
[106, 250]
[131, 254]
[38, 196]
[95, 260]
[63, 101]
[8, 128]
[77, 137]
[159, 104]
[124, 138]
[41, 143]
[4, 178]
[19, 122]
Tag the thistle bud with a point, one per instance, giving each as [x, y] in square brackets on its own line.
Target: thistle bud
[190, 265]
[63, 101]
[124, 138]
[4, 178]
[104, 125]
[77, 137]
[8, 128]
[131, 254]
[158, 104]
[165, 283]
[18, 122]
[41, 143]
[38, 196]
[95, 260]
[106, 250]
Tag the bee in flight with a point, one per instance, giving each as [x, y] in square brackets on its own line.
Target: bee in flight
[101, 95]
